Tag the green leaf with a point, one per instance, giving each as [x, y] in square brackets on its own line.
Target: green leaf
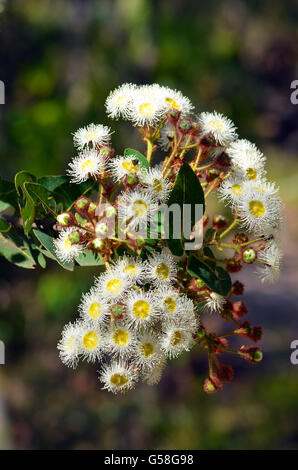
[13, 249]
[42, 261]
[52, 182]
[216, 278]
[21, 178]
[48, 243]
[187, 190]
[4, 226]
[138, 155]
[89, 258]
[8, 195]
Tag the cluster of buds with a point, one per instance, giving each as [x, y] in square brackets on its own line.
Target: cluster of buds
[149, 305]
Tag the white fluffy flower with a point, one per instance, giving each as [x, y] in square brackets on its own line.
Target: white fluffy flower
[260, 210]
[147, 106]
[118, 377]
[123, 166]
[147, 352]
[176, 339]
[121, 339]
[67, 244]
[133, 268]
[174, 99]
[247, 158]
[137, 208]
[118, 101]
[91, 341]
[161, 268]
[221, 128]
[214, 302]
[97, 134]
[141, 308]
[94, 307]
[87, 164]
[231, 189]
[69, 345]
[154, 181]
[167, 134]
[271, 256]
[113, 284]
[153, 375]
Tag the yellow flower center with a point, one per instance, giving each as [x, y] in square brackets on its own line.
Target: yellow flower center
[237, 190]
[170, 304]
[172, 103]
[114, 286]
[90, 340]
[141, 309]
[146, 109]
[157, 185]
[121, 100]
[217, 124]
[162, 271]
[95, 310]
[147, 349]
[121, 337]
[256, 208]
[130, 269]
[67, 243]
[129, 167]
[251, 174]
[176, 338]
[87, 165]
[139, 208]
[90, 135]
[118, 379]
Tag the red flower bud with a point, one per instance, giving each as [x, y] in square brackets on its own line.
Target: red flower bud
[225, 373]
[233, 265]
[223, 160]
[212, 385]
[219, 221]
[238, 288]
[252, 354]
[211, 175]
[239, 309]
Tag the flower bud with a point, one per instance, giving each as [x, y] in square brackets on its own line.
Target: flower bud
[74, 237]
[223, 160]
[185, 126]
[140, 241]
[82, 203]
[110, 211]
[132, 179]
[212, 385]
[219, 221]
[64, 219]
[117, 311]
[240, 238]
[92, 208]
[233, 265]
[252, 354]
[238, 288]
[81, 220]
[173, 116]
[106, 151]
[101, 229]
[239, 309]
[97, 244]
[249, 255]
[225, 373]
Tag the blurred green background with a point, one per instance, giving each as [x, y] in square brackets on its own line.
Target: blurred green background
[59, 60]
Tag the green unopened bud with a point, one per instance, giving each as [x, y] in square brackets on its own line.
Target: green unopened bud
[200, 283]
[110, 211]
[140, 241]
[249, 255]
[97, 244]
[82, 203]
[101, 228]
[185, 125]
[63, 219]
[117, 310]
[92, 207]
[200, 333]
[105, 151]
[74, 237]
[81, 220]
[132, 179]
[258, 355]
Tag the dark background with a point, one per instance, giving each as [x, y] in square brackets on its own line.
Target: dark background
[59, 60]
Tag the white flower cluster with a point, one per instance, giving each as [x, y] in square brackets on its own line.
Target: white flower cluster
[146, 104]
[134, 318]
[255, 202]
